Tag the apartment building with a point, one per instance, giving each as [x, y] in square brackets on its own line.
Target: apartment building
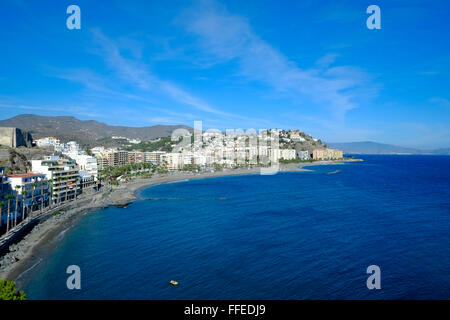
[47, 142]
[36, 188]
[112, 158]
[173, 161]
[136, 157]
[64, 174]
[303, 155]
[87, 164]
[327, 154]
[154, 157]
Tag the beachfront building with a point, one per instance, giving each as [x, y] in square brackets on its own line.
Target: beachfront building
[64, 174]
[287, 154]
[327, 154]
[112, 158]
[88, 165]
[154, 157]
[173, 161]
[136, 157]
[4, 191]
[303, 155]
[30, 190]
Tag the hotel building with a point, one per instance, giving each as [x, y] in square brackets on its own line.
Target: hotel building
[64, 174]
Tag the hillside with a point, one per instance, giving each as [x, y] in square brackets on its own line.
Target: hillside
[369, 147]
[85, 132]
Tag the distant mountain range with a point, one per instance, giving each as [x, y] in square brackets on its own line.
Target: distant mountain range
[369, 147]
[92, 133]
[89, 132]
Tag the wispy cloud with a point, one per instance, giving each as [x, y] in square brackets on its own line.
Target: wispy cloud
[440, 102]
[137, 73]
[72, 110]
[227, 37]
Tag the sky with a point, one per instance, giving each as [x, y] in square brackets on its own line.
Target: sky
[304, 64]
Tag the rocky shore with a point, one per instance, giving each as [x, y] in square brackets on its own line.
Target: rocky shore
[27, 253]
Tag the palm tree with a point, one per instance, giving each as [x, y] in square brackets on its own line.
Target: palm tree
[43, 183]
[99, 181]
[66, 196]
[24, 198]
[50, 200]
[8, 197]
[76, 188]
[2, 204]
[17, 204]
[33, 187]
[59, 194]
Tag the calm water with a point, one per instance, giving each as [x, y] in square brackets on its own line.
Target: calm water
[288, 236]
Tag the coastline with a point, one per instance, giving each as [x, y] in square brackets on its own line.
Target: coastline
[26, 254]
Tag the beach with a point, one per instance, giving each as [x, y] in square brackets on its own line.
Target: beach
[27, 253]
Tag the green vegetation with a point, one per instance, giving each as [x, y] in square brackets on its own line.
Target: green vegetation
[296, 160]
[191, 167]
[8, 291]
[127, 171]
[56, 212]
[163, 144]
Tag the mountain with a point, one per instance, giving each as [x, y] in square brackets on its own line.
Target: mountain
[369, 147]
[87, 132]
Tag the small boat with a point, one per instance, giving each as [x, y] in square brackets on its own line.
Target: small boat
[173, 282]
[333, 172]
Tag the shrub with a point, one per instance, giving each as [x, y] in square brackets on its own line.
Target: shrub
[8, 291]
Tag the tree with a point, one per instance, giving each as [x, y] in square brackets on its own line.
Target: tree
[2, 204]
[50, 200]
[66, 188]
[24, 198]
[59, 193]
[43, 183]
[8, 197]
[33, 188]
[76, 188]
[17, 205]
[8, 291]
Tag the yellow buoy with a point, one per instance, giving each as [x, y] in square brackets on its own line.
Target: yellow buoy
[173, 282]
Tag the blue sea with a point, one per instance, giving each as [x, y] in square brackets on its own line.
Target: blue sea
[302, 235]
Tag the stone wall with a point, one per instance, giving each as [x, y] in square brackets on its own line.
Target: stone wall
[14, 137]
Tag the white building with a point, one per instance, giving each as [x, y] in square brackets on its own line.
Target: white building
[64, 175]
[174, 161]
[85, 162]
[47, 142]
[34, 184]
[303, 155]
[97, 150]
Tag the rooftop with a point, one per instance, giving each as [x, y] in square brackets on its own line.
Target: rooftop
[24, 175]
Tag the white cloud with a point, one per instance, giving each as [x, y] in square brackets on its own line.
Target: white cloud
[440, 102]
[230, 37]
[138, 74]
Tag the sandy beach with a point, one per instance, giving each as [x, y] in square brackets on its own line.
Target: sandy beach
[32, 248]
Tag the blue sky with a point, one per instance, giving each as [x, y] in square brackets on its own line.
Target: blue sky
[308, 64]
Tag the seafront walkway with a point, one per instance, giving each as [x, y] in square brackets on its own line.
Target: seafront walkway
[20, 229]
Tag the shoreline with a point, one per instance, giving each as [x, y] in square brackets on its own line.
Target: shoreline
[28, 252]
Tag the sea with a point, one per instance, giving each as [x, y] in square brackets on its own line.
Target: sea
[297, 235]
